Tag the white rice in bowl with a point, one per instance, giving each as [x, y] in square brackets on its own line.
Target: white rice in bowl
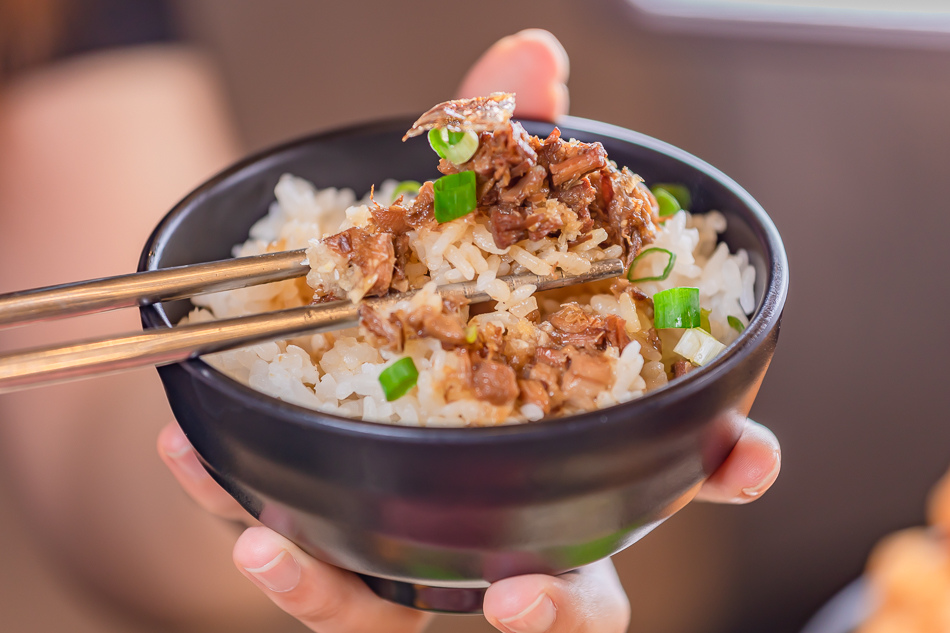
[339, 372]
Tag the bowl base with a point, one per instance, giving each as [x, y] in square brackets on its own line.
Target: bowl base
[458, 600]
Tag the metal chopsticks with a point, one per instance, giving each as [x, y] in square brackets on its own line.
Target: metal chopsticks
[162, 346]
[136, 289]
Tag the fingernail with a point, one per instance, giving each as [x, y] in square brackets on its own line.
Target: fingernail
[537, 617]
[279, 575]
[754, 491]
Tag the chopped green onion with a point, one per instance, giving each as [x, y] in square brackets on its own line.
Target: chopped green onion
[735, 323]
[667, 201]
[471, 334]
[455, 147]
[663, 275]
[698, 347]
[454, 196]
[398, 378]
[704, 320]
[676, 307]
[680, 192]
[406, 186]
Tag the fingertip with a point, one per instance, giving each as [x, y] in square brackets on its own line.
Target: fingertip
[561, 100]
[267, 558]
[532, 64]
[181, 459]
[587, 599]
[172, 441]
[179, 455]
[510, 596]
[258, 546]
[760, 460]
[750, 470]
[551, 47]
[521, 604]
[755, 432]
[321, 596]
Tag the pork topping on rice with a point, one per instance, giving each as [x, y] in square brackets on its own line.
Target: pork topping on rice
[539, 205]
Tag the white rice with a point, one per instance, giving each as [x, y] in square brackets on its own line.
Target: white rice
[338, 372]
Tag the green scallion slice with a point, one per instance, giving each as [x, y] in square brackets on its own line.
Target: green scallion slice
[704, 320]
[735, 323]
[667, 201]
[398, 378]
[406, 186]
[454, 196]
[680, 192]
[676, 307]
[455, 147]
[663, 275]
[698, 347]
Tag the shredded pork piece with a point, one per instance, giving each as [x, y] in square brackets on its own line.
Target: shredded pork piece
[545, 220]
[353, 263]
[579, 160]
[553, 357]
[571, 319]
[387, 333]
[507, 225]
[586, 377]
[579, 196]
[401, 254]
[391, 219]
[446, 325]
[550, 378]
[681, 368]
[619, 286]
[445, 329]
[573, 325]
[629, 211]
[478, 114]
[495, 382]
[616, 331]
[534, 392]
[422, 212]
[529, 185]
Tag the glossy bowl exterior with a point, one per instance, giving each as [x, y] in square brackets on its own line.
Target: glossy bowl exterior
[437, 508]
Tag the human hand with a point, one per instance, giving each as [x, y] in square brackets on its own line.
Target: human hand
[330, 600]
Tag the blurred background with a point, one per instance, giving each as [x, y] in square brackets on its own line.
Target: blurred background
[839, 129]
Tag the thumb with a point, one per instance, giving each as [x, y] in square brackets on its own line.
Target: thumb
[530, 63]
[589, 600]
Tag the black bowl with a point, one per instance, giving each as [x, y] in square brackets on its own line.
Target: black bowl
[430, 516]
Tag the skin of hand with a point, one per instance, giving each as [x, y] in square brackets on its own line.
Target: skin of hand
[532, 64]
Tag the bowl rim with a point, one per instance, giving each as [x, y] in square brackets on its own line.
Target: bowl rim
[763, 321]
